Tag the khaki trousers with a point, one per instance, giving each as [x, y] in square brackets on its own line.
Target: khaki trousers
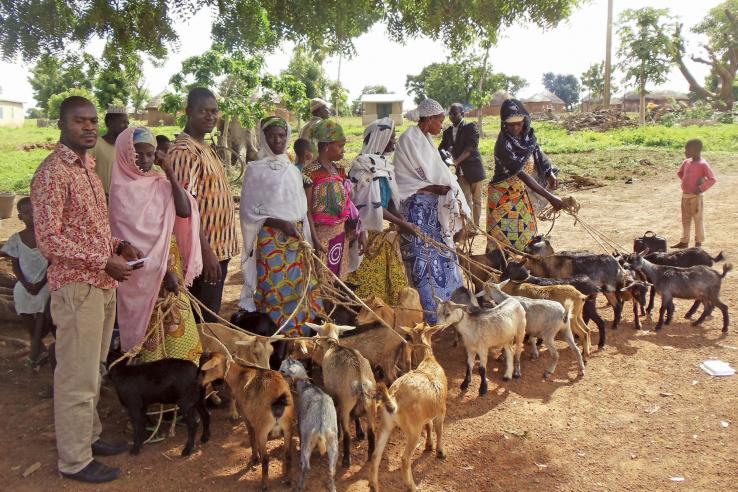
[84, 316]
[692, 209]
[473, 194]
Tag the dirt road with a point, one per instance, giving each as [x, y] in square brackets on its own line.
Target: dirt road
[643, 417]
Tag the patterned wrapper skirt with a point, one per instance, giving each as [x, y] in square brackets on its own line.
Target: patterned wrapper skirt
[382, 272]
[334, 241]
[280, 270]
[432, 272]
[510, 216]
[181, 339]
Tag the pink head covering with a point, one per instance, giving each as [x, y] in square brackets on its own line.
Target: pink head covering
[142, 212]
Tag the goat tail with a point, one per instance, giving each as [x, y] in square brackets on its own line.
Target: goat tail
[279, 404]
[390, 404]
[568, 308]
[726, 268]
[720, 257]
[322, 445]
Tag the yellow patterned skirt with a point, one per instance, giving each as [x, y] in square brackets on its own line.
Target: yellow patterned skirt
[178, 338]
[382, 272]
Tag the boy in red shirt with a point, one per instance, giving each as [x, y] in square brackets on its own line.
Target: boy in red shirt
[697, 177]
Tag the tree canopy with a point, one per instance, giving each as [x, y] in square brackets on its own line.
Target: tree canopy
[593, 79]
[458, 81]
[720, 27]
[566, 87]
[645, 49]
[306, 66]
[53, 75]
[29, 28]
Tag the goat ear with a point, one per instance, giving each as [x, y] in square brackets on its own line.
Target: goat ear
[275, 338]
[244, 343]
[342, 328]
[404, 329]
[503, 284]
[214, 362]
[314, 327]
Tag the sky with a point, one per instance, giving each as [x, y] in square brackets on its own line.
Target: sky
[523, 50]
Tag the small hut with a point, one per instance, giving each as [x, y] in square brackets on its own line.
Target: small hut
[493, 108]
[544, 102]
[156, 117]
[632, 100]
[11, 113]
[376, 106]
[590, 103]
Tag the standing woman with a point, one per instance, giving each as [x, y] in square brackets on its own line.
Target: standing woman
[274, 218]
[334, 220]
[376, 197]
[431, 200]
[156, 210]
[511, 218]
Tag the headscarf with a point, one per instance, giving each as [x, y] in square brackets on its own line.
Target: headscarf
[427, 107]
[142, 211]
[418, 165]
[327, 131]
[143, 135]
[272, 188]
[512, 153]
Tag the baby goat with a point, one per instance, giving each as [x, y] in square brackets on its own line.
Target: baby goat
[700, 283]
[415, 400]
[316, 415]
[163, 381]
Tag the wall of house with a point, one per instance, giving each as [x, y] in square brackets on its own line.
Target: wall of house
[542, 107]
[369, 112]
[154, 117]
[489, 110]
[11, 114]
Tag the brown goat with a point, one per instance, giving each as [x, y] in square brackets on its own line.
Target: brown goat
[416, 400]
[265, 402]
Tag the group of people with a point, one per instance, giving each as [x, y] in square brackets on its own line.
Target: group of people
[129, 232]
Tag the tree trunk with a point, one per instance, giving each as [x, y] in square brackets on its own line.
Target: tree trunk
[480, 115]
[608, 60]
[642, 105]
[224, 138]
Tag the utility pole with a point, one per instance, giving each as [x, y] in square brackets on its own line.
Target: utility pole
[608, 60]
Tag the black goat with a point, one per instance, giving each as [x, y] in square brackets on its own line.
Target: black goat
[164, 381]
[262, 324]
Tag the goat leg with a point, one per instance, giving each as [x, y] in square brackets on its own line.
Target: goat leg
[287, 465]
[359, 431]
[705, 313]
[138, 419]
[305, 453]
[692, 310]
[189, 417]
[724, 310]
[669, 312]
[332, 458]
[636, 317]
[551, 346]
[651, 300]
[438, 427]
[590, 312]
[662, 311]
[469, 367]
[345, 424]
[255, 458]
[428, 438]
[204, 417]
[618, 314]
[508, 363]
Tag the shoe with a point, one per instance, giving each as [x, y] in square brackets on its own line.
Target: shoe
[102, 448]
[680, 245]
[95, 472]
[697, 245]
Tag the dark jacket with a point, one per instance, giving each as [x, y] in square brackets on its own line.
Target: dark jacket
[467, 137]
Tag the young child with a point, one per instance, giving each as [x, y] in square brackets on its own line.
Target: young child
[303, 154]
[697, 177]
[162, 148]
[31, 292]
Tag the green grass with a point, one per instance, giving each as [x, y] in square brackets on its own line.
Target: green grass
[608, 155]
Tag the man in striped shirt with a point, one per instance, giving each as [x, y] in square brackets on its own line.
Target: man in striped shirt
[201, 173]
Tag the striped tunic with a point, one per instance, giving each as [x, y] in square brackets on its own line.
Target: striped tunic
[201, 173]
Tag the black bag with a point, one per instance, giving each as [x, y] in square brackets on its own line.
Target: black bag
[649, 241]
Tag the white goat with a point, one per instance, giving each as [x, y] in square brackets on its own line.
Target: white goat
[482, 329]
[544, 319]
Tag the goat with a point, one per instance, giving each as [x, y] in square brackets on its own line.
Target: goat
[682, 258]
[543, 319]
[481, 329]
[256, 350]
[162, 381]
[265, 403]
[700, 283]
[563, 294]
[491, 259]
[636, 292]
[517, 272]
[261, 324]
[348, 378]
[414, 401]
[317, 421]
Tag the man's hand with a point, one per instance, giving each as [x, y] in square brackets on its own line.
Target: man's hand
[556, 203]
[131, 253]
[118, 268]
[32, 288]
[211, 272]
[164, 163]
[553, 182]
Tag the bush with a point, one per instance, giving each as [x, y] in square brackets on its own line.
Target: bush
[56, 100]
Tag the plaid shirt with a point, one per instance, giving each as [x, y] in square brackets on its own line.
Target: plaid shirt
[201, 173]
[70, 215]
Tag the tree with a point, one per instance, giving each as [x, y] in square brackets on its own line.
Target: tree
[720, 26]
[339, 98]
[54, 103]
[53, 75]
[593, 79]
[368, 89]
[445, 82]
[306, 66]
[140, 95]
[645, 50]
[29, 28]
[566, 87]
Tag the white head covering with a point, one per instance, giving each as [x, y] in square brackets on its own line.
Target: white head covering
[272, 188]
[430, 107]
[379, 132]
[317, 103]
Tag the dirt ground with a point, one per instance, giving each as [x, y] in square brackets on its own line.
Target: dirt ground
[645, 416]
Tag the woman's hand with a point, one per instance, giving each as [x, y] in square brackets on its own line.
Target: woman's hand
[407, 228]
[211, 271]
[363, 242]
[171, 282]
[553, 182]
[319, 249]
[437, 189]
[164, 163]
[556, 202]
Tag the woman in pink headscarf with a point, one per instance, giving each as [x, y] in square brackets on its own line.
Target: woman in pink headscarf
[154, 208]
